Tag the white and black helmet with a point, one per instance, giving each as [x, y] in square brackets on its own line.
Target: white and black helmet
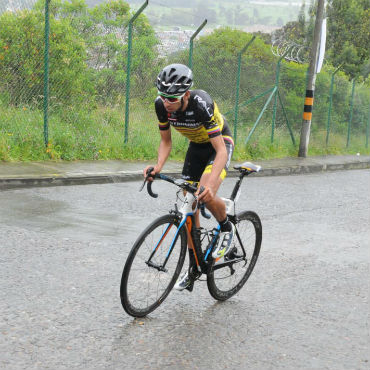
[175, 79]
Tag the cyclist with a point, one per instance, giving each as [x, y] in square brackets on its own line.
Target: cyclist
[195, 115]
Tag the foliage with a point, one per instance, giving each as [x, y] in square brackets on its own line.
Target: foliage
[21, 56]
[88, 53]
[216, 59]
[348, 34]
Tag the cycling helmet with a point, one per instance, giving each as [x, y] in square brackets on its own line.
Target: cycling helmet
[175, 80]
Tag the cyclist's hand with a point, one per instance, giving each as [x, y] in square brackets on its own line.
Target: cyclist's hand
[206, 195]
[154, 171]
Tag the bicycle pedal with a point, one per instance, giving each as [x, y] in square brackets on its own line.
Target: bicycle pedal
[190, 287]
[231, 254]
[194, 274]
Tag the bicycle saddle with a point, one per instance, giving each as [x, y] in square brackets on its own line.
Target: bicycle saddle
[248, 166]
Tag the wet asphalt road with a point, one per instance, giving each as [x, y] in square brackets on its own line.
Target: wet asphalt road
[306, 305]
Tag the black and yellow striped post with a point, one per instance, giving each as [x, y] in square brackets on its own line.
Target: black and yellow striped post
[306, 124]
[308, 104]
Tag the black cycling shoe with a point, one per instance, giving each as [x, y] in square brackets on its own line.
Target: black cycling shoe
[232, 254]
[190, 286]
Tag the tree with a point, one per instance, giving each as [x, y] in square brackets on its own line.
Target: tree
[295, 31]
[104, 30]
[349, 34]
[21, 56]
[88, 52]
[215, 64]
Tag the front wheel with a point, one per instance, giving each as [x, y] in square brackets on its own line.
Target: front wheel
[227, 281]
[153, 265]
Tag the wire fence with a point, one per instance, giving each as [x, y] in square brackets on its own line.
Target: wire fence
[80, 81]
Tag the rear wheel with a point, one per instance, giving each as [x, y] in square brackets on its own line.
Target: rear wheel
[226, 281]
[153, 265]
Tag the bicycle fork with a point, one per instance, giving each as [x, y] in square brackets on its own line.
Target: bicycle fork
[186, 222]
[195, 251]
[157, 246]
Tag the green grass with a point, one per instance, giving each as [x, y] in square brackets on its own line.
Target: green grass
[86, 134]
[80, 134]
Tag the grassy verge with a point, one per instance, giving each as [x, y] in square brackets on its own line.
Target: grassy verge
[82, 133]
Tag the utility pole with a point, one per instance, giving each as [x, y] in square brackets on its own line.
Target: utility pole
[308, 104]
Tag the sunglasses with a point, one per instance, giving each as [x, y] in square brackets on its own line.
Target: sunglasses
[170, 99]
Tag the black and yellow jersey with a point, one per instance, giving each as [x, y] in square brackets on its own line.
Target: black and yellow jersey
[200, 121]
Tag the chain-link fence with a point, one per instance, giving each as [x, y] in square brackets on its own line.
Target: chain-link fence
[341, 112]
[21, 77]
[80, 81]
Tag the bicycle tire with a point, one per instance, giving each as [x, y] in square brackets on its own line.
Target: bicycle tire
[133, 283]
[248, 224]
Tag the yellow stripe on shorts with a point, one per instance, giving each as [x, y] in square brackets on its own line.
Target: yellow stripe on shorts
[208, 169]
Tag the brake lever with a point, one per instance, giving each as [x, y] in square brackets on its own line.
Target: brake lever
[148, 172]
[202, 206]
[201, 189]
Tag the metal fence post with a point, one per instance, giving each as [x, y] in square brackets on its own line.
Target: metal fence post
[128, 72]
[46, 74]
[367, 130]
[236, 111]
[194, 35]
[351, 113]
[330, 104]
[274, 89]
[277, 80]
[286, 118]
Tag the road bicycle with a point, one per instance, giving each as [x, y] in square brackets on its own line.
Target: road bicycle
[157, 257]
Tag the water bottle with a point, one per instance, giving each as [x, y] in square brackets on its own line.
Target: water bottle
[230, 206]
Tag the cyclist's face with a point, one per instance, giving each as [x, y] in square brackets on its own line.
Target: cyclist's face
[174, 104]
[171, 106]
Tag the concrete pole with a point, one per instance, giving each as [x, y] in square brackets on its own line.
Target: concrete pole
[307, 114]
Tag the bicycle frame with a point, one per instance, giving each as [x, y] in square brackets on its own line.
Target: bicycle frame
[186, 219]
[187, 213]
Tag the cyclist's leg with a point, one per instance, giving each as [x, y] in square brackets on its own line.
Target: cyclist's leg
[196, 160]
[217, 206]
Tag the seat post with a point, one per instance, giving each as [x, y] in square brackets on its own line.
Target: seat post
[237, 185]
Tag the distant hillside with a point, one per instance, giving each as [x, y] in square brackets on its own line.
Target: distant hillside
[15, 4]
[249, 15]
